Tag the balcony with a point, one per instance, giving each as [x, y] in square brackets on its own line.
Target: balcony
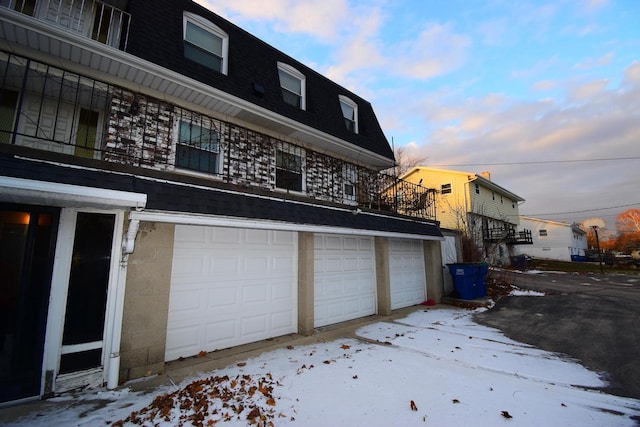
[93, 19]
[509, 236]
[89, 122]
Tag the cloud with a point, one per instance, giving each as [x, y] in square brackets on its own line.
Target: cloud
[588, 91]
[545, 85]
[535, 69]
[323, 20]
[527, 145]
[591, 63]
[435, 51]
[593, 6]
[632, 74]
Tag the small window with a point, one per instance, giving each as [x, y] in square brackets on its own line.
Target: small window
[543, 233]
[350, 113]
[205, 43]
[8, 102]
[350, 177]
[292, 83]
[86, 134]
[477, 189]
[197, 148]
[290, 167]
[28, 7]
[501, 199]
[493, 195]
[445, 189]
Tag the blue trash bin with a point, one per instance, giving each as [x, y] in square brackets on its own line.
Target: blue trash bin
[469, 279]
[463, 276]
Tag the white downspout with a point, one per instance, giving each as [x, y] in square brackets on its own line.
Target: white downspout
[128, 246]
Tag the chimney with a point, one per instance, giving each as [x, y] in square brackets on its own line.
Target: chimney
[486, 175]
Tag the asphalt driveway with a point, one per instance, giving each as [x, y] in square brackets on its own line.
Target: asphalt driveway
[593, 318]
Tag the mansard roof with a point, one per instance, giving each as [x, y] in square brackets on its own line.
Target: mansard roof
[156, 35]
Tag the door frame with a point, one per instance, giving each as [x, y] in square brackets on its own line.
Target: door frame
[52, 381]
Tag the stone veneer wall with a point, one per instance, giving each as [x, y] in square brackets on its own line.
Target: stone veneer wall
[141, 131]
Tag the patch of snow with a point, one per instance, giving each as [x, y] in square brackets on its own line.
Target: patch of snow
[526, 293]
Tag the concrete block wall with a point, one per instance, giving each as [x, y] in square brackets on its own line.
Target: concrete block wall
[146, 304]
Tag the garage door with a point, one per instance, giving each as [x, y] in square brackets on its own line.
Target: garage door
[344, 278]
[406, 271]
[230, 286]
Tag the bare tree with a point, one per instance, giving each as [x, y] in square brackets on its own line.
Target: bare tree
[628, 221]
[405, 160]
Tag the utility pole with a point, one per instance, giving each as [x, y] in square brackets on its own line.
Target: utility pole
[595, 230]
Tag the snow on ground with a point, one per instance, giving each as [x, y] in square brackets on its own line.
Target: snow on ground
[436, 367]
[525, 293]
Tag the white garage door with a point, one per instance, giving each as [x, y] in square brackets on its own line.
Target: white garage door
[344, 278]
[406, 270]
[230, 286]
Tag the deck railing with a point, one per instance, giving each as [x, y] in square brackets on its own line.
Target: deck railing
[50, 109]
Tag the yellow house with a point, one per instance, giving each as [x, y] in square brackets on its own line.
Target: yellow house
[476, 206]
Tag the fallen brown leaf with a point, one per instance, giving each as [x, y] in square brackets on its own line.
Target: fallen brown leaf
[345, 347]
[413, 406]
[506, 414]
[202, 353]
[455, 401]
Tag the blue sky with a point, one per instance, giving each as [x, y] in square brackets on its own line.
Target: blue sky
[517, 88]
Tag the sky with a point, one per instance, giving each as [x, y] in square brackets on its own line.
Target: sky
[435, 367]
[545, 95]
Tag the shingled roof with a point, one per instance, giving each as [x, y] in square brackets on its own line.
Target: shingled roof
[156, 35]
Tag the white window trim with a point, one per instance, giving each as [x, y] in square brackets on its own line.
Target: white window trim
[212, 28]
[296, 151]
[298, 75]
[350, 177]
[353, 105]
[186, 171]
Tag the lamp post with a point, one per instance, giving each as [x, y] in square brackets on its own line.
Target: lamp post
[595, 230]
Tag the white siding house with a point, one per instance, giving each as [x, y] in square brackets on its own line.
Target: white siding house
[553, 240]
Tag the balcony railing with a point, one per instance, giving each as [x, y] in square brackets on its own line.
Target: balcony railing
[49, 109]
[90, 18]
[509, 236]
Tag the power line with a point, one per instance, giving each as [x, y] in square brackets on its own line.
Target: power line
[542, 162]
[583, 211]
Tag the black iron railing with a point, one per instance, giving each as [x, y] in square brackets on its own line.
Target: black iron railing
[50, 109]
[510, 236]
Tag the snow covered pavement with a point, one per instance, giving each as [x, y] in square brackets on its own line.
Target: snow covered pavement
[435, 367]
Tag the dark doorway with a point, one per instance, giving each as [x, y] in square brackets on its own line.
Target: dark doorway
[27, 246]
[87, 295]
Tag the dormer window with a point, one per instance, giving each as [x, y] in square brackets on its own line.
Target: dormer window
[205, 43]
[293, 87]
[350, 113]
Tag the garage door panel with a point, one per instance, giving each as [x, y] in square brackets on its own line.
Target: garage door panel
[344, 278]
[244, 285]
[281, 238]
[407, 274]
[222, 331]
[222, 235]
[185, 338]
